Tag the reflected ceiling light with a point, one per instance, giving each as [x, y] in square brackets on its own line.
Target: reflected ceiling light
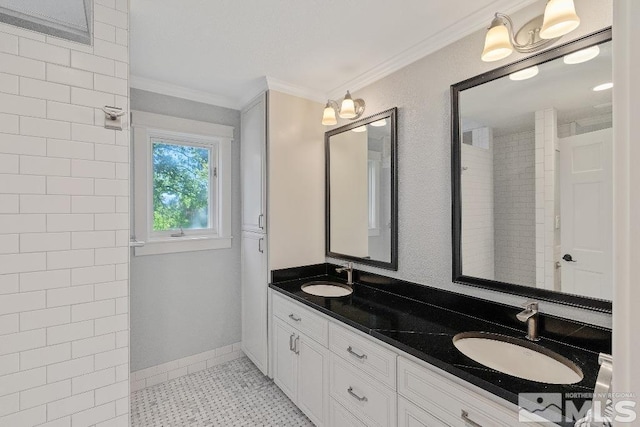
[581, 56]
[525, 74]
[559, 19]
[603, 86]
[360, 129]
[379, 123]
[349, 108]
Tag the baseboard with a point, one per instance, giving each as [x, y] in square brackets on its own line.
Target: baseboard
[187, 365]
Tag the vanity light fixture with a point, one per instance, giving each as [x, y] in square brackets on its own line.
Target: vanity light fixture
[559, 18]
[359, 129]
[581, 56]
[602, 87]
[525, 74]
[349, 108]
[379, 123]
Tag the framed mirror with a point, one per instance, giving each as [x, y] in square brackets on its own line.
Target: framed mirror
[362, 191]
[532, 194]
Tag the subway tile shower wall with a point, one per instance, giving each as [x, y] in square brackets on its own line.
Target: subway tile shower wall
[64, 227]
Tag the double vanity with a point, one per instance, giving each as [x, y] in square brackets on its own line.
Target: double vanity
[392, 353]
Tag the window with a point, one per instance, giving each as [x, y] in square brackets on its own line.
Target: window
[182, 184]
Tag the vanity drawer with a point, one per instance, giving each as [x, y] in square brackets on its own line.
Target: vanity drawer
[366, 398]
[340, 417]
[301, 318]
[364, 353]
[448, 401]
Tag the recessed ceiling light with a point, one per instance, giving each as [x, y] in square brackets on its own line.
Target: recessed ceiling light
[525, 74]
[603, 86]
[379, 123]
[360, 129]
[581, 56]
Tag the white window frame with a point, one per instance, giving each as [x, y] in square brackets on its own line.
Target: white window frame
[149, 128]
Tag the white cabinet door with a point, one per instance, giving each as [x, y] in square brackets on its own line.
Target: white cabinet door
[409, 415]
[254, 166]
[313, 379]
[285, 360]
[340, 417]
[254, 298]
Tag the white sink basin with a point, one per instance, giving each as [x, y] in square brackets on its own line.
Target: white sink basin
[323, 288]
[519, 358]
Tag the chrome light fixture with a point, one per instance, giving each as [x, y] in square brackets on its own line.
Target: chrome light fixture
[349, 108]
[559, 18]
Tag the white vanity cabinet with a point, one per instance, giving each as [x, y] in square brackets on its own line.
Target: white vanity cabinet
[341, 377]
[301, 363]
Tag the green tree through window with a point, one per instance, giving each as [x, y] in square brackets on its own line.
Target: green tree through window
[180, 186]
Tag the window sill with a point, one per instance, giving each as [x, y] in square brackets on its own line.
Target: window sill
[183, 244]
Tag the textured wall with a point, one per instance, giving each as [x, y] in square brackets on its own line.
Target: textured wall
[64, 227]
[421, 92]
[187, 303]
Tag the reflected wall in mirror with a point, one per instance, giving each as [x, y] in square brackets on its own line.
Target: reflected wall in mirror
[361, 187]
[533, 194]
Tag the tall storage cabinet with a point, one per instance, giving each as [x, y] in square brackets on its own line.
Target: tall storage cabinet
[254, 261]
[282, 162]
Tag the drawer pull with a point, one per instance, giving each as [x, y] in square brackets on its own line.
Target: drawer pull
[296, 350]
[294, 318]
[360, 399]
[465, 417]
[359, 356]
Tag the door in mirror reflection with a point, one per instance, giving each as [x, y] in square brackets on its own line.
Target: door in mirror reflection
[360, 191]
[536, 176]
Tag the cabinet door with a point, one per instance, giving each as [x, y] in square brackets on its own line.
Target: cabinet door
[285, 360]
[253, 166]
[254, 298]
[313, 380]
[409, 415]
[340, 417]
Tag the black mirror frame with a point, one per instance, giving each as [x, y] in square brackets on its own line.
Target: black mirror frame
[599, 305]
[392, 115]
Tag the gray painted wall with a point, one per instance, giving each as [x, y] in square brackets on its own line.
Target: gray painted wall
[186, 303]
[421, 93]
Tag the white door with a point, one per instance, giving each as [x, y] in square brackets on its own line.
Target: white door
[253, 165]
[285, 360]
[254, 298]
[313, 380]
[586, 212]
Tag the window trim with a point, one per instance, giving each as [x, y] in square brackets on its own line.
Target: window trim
[148, 127]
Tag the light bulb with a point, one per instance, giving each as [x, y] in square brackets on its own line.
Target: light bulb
[560, 18]
[348, 107]
[329, 116]
[497, 43]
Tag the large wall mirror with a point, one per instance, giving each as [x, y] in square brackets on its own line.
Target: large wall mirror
[361, 188]
[532, 176]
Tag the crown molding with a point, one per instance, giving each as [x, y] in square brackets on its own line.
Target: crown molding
[462, 28]
[270, 83]
[169, 89]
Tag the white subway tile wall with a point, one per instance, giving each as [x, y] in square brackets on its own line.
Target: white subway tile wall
[64, 227]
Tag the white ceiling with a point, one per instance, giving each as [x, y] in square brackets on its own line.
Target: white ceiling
[224, 48]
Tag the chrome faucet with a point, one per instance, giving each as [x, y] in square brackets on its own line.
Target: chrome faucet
[348, 267]
[530, 316]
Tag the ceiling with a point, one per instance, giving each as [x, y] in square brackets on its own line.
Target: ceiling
[223, 49]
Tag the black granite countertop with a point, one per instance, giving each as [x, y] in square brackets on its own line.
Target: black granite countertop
[417, 322]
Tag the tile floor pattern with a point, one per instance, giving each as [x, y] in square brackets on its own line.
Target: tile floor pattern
[232, 394]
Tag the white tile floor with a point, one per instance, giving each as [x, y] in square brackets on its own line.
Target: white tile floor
[232, 394]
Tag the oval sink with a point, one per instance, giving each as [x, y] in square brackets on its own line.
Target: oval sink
[518, 358]
[323, 288]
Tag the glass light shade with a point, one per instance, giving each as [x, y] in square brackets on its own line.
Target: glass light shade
[379, 123]
[329, 116]
[560, 18]
[497, 44]
[525, 74]
[360, 129]
[603, 86]
[348, 108]
[581, 56]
